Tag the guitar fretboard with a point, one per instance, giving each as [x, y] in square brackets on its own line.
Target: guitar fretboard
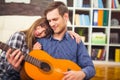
[27, 57]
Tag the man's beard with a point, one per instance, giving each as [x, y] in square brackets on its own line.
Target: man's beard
[60, 31]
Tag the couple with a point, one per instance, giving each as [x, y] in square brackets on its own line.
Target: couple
[55, 40]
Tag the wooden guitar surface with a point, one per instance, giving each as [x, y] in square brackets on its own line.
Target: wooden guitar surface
[58, 66]
[39, 65]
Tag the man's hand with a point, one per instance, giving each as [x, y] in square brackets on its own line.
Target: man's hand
[74, 75]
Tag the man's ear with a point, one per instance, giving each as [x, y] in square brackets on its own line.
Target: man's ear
[66, 16]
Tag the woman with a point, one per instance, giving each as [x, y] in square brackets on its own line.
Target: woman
[25, 41]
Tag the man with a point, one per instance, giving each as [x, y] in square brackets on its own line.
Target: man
[61, 45]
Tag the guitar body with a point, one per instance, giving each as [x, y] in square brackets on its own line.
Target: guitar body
[57, 67]
[39, 65]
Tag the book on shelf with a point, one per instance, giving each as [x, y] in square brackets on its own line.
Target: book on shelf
[82, 19]
[87, 20]
[98, 4]
[79, 3]
[115, 4]
[77, 19]
[117, 55]
[95, 17]
[103, 55]
[114, 38]
[86, 4]
[98, 38]
[98, 54]
[94, 54]
[100, 17]
[95, 3]
[105, 17]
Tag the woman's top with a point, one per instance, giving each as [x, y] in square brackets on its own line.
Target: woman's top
[17, 41]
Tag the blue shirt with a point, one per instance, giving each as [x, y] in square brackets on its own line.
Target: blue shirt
[67, 48]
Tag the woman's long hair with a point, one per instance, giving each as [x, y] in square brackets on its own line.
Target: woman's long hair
[30, 38]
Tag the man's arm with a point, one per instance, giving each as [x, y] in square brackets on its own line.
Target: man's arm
[85, 61]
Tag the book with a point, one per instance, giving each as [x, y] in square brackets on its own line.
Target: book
[100, 17]
[98, 38]
[99, 53]
[117, 55]
[86, 3]
[100, 4]
[103, 54]
[82, 19]
[95, 3]
[87, 20]
[116, 3]
[114, 38]
[94, 53]
[95, 17]
[113, 4]
[105, 17]
[79, 3]
[77, 19]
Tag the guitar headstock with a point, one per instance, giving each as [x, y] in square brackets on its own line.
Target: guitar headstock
[4, 46]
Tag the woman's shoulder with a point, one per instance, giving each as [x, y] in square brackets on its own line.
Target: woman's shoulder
[19, 33]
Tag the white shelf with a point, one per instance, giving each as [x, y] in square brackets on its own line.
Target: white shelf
[90, 29]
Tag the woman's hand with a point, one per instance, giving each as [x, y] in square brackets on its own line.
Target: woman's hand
[75, 35]
[37, 45]
[15, 58]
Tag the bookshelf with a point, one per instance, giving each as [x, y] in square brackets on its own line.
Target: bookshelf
[104, 19]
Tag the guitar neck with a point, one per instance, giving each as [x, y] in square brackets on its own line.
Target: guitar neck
[5, 47]
[27, 57]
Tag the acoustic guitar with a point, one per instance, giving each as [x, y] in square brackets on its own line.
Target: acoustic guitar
[39, 65]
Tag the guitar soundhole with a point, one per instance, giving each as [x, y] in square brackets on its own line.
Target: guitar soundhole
[45, 67]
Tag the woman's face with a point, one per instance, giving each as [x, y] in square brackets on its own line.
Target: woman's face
[40, 32]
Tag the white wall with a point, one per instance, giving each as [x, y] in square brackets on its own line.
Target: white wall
[11, 24]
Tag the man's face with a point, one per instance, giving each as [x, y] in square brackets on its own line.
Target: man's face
[56, 21]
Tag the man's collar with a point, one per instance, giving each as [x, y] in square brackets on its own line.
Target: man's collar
[66, 36]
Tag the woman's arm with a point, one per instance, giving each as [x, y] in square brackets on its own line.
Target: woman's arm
[16, 41]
